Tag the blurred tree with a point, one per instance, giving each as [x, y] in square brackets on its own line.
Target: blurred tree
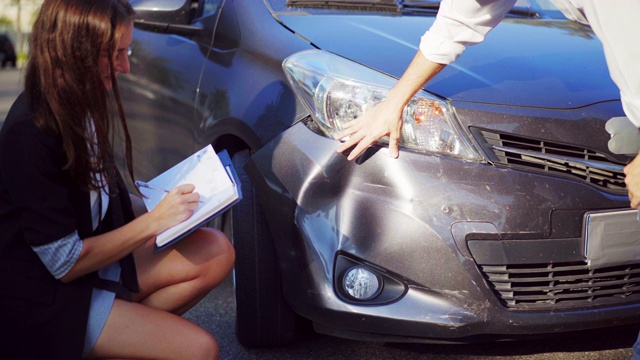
[18, 23]
[12, 16]
[5, 21]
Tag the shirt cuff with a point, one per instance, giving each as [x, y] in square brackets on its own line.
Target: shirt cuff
[61, 255]
[438, 49]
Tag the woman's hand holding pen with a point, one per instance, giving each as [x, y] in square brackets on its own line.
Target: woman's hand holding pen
[177, 206]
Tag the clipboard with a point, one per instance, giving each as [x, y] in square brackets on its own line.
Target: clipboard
[215, 179]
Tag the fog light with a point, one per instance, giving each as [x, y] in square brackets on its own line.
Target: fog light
[361, 283]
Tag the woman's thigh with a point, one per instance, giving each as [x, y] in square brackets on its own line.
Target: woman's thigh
[138, 331]
[172, 278]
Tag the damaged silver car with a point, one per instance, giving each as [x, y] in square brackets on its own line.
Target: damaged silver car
[490, 225]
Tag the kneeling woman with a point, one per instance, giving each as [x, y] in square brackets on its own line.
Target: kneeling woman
[78, 277]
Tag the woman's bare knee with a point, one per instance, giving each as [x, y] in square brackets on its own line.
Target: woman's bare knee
[218, 255]
[204, 260]
[207, 347]
[154, 334]
[201, 346]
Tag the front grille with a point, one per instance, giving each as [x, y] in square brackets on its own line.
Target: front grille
[579, 163]
[549, 286]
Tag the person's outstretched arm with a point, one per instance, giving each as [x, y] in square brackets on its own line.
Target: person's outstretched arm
[459, 23]
[385, 118]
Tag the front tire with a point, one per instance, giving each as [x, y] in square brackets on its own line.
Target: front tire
[263, 318]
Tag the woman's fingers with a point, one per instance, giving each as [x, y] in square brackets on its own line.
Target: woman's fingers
[186, 194]
[393, 146]
[177, 206]
[383, 119]
[351, 140]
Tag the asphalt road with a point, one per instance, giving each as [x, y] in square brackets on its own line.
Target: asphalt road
[216, 313]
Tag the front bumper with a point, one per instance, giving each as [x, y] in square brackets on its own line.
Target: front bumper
[413, 218]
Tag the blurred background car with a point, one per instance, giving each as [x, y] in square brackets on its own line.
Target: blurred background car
[7, 52]
[484, 228]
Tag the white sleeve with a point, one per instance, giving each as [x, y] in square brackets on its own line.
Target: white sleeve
[616, 25]
[572, 10]
[460, 23]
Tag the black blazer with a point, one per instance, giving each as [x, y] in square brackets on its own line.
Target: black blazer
[41, 317]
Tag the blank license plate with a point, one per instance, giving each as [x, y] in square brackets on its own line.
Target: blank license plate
[612, 238]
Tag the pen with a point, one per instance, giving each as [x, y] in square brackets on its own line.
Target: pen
[151, 187]
[145, 185]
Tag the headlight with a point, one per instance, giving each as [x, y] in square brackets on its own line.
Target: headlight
[336, 91]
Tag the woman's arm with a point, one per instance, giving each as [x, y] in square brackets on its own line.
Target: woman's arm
[99, 251]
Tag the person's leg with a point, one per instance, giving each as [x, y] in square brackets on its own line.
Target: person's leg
[171, 282]
[135, 331]
[179, 277]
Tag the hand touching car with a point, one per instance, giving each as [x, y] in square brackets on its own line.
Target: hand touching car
[386, 117]
[383, 119]
[632, 179]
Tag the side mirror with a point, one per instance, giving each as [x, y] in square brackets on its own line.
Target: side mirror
[165, 16]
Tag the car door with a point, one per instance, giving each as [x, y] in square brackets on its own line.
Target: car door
[244, 98]
[160, 91]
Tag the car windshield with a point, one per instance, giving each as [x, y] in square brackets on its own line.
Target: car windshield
[527, 8]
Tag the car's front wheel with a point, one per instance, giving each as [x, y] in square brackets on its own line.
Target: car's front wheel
[263, 318]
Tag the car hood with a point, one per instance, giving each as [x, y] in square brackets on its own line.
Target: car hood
[534, 63]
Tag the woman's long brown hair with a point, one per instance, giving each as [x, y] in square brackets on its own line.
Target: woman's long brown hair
[64, 84]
